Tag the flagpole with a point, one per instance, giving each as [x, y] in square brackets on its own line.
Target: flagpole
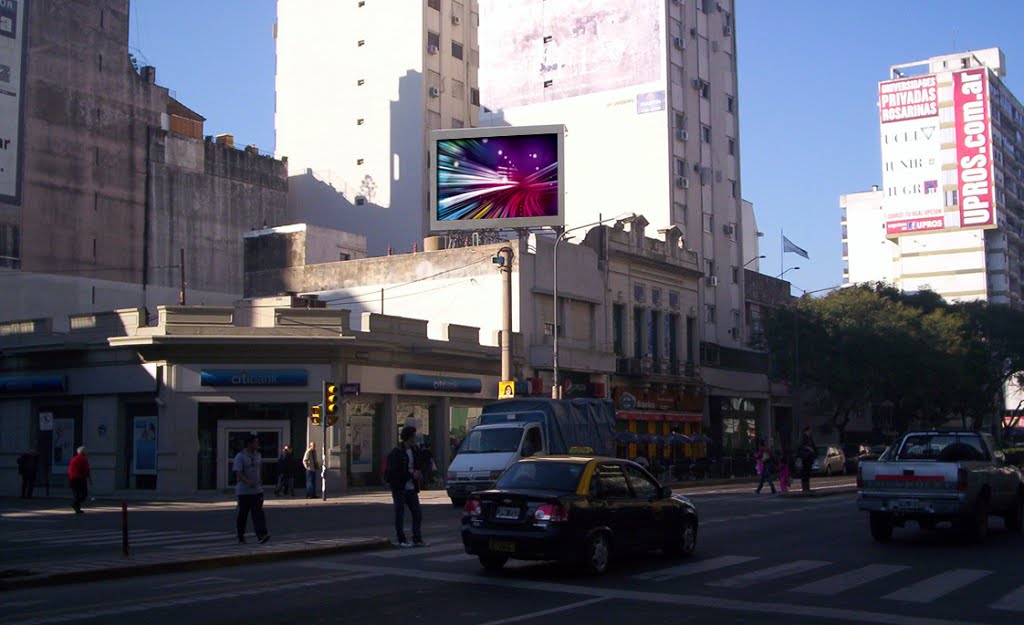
[782, 252]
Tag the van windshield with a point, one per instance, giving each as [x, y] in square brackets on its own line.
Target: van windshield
[491, 441]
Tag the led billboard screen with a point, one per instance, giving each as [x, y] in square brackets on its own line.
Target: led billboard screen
[486, 178]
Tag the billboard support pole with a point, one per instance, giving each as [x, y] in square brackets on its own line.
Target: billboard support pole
[506, 254]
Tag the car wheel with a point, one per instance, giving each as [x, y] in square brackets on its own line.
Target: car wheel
[683, 541]
[828, 470]
[1014, 520]
[976, 524]
[881, 527]
[597, 553]
[492, 563]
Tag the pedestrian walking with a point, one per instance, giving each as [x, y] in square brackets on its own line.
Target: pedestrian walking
[285, 472]
[806, 452]
[784, 473]
[80, 476]
[249, 489]
[28, 466]
[764, 460]
[403, 477]
[312, 466]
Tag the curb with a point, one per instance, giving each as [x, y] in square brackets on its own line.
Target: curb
[152, 568]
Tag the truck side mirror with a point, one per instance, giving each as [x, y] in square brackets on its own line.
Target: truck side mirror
[666, 492]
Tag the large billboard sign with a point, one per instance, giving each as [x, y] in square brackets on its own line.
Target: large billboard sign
[492, 178]
[13, 16]
[911, 150]
[974, 175]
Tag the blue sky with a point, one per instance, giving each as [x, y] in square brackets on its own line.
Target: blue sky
[807, 69]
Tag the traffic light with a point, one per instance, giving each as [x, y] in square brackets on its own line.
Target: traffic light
[331, 405]
[314, 415]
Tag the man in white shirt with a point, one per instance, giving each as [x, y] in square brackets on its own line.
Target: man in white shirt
[249, 489]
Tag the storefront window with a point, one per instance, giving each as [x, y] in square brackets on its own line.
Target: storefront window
[418, 416]
[463, 419]
[361, 458]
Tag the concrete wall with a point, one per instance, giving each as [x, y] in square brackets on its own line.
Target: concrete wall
[868, 254]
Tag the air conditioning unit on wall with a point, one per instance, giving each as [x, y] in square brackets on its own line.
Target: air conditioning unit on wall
[682, 182]
[435, 92]
[456, 20]
[681, 134]
[711, 281]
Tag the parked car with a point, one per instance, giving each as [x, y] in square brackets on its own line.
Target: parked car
[582, 510]
[829, 461]
[938, 476]
[855, 454]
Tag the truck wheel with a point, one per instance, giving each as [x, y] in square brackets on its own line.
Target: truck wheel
[976, 524]
[492, 563]
[1014, 520]
[881, 527]
[597, 553]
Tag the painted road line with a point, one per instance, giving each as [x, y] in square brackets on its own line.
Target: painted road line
[455, 557]
[758, 609]
[851, 579]
[692, 568]
[930, 589]
[111, 537]
[398, 552]
[770, 573]
[563, 608]
[1013, 602]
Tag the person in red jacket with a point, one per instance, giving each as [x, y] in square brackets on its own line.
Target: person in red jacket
[80, 476]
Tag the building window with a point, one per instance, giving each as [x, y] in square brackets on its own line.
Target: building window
[359, 161]
[94, 248]
[705, 133]
[680, 119]
[638, 332]
[344, 256]
[709, 313]
[705, 89]
[679, 215]
[458, 123]
[673, 299]
[433, 41]
[458, 90]
[735, 275]
[360, 121]
[709, 267]
[474, 57]
[434, 4]
[547, 38]
[10, 246]
[707, 6]
[548, 83]
[672, 338]
[360, 43]
[433, 120]
[733, 188]
[474, 96]
[362, 4]
[952, 198]
[730, 104]
[676, 74]
[732, 146]
[457, 50]
[656, 297]
[101, 62]
[639, 292]
[680, 167]
[652, 334]
[619, 328]
[360, 82]
[709, 222]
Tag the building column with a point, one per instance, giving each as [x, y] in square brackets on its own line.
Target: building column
[100, 436]
[19, 432]
[765, 427]
[440, 428]
[387, 431]
[177, 432]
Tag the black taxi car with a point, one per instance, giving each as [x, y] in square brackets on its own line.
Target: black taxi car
[576, 510]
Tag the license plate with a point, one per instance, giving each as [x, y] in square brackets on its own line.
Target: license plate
[503, 546]
[908, 504]
[506, 512]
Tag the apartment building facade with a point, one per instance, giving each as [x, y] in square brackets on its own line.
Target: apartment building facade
[359, 86]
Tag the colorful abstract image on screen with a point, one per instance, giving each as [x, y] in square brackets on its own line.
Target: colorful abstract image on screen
[497, 177]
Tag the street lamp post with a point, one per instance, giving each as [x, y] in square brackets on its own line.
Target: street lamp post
[787, 271]
[753, 259]
[556, 392]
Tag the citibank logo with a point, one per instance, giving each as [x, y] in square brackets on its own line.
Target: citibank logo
[627, 401]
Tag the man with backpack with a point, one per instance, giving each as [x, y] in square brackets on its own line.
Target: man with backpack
[403, 477]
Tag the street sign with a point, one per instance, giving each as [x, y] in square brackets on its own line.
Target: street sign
[350, 389]
[507, 389]
[46, 421]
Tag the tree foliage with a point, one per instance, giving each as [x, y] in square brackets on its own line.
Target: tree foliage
[872, 344]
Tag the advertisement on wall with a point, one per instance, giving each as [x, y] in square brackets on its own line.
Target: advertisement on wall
[487, 178]
[911, 149]
[63, 445]
[144, 446]
[975, 178]
[360, 436]
[13, 14]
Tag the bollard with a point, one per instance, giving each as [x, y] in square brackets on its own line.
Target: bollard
[124, 528]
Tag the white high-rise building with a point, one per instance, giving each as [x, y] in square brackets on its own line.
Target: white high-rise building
[359, 86]
[647, 91]
[950, 214]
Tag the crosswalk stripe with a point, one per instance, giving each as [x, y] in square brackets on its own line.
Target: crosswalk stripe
[850, 579]
[936, 586]
[112, 536]
[691, 568]
[36, 535]
[770, 573]
[166, 540]
[415, 551]
[454, 557]
[1012, 602]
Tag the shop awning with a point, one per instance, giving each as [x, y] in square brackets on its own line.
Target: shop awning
[651, 415]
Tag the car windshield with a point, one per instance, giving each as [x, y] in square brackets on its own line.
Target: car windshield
[558, 476]
[943, 448]
[822, 450]
[491, 441]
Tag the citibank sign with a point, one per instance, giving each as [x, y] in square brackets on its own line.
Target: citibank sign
[253, 377]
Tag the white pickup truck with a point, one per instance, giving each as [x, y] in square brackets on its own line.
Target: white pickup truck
[939, 475]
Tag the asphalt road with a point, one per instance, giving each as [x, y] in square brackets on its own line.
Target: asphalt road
[761, 559]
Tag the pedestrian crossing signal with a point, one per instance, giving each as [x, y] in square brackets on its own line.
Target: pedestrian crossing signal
[314, 415]
[331, 402]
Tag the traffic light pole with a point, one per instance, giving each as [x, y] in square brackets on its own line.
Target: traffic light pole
[324, 451]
